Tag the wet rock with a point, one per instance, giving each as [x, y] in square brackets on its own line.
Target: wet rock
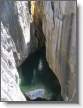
[37, 93]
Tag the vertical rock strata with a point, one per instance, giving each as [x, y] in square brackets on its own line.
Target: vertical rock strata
[54, 23]
[59, 27]
[16, 17]
[15, 45]
[10, 90]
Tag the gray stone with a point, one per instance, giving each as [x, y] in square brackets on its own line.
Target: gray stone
[34, 94]
[59, 27]
[10, 89]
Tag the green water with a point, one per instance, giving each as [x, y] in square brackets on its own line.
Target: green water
[37, 84]
[32, 78]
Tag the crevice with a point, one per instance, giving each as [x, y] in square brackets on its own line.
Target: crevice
[52, 5]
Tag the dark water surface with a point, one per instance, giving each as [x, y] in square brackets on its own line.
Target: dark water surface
[36, 74]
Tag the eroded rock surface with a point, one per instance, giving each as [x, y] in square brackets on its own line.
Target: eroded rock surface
[10, 90]
[54, 23]
[16, 18]
[59, 27]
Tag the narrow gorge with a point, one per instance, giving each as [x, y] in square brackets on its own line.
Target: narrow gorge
[39, 51]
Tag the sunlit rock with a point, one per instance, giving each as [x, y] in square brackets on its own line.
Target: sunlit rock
[24, 19]
[16, 18]
[53, 25]
[10, 90]
[37, 93]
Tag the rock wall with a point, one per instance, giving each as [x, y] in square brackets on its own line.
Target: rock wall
[55, 25]
[10, 90]
[15, 46]
[18, 41]
[16, 17]
[59, 27]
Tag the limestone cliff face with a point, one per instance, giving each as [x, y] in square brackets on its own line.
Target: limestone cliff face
[16, 18]
[15, 45]
[59, 27]
[54, 24]
[10, 90]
